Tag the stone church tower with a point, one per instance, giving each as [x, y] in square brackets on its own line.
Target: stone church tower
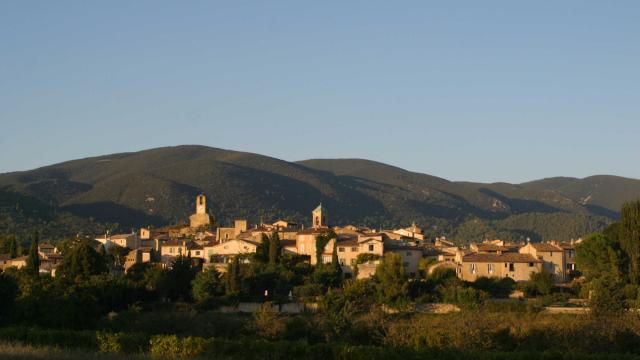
[319, 217]
[201, 204]
[200, 218]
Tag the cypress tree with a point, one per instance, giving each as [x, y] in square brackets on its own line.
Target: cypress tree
[335, 262]
[630, 239]
[104, 255]
[233, 276]
[262, 252]
[274, 248]
[13, 247]
[33, 259]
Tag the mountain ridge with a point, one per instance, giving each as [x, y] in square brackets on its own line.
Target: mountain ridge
[157, 186]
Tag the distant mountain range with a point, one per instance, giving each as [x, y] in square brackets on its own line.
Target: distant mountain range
[158, 187]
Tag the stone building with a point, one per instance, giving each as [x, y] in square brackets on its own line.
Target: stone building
[201, 217]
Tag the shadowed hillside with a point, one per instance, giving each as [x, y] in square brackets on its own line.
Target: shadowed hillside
[158, 186]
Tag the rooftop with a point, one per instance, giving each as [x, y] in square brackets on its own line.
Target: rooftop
[500, 258]
[546, 247]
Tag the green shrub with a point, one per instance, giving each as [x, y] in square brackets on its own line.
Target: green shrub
[172, 346]
[122, 342]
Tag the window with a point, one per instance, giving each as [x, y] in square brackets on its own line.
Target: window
[408, 253]
[341, 249]
[171, 250]
[406, 264]
[512, 267]
[472, 268]
[530, 264]
[354, 249]
[326, 259]
[490, 268]
[371, 248]
[197, 253]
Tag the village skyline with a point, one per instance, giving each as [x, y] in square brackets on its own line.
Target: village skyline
[250, 180]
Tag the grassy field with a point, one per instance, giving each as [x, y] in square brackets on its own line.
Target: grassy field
[26, 352]
[14, 351]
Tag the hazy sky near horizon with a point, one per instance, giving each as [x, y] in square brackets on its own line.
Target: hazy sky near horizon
[465, 90]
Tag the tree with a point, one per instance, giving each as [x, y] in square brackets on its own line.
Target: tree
[116, 256]
[540, 284]
[8, 292]
[274, 248]
[335, 261]
[366, 257]
[206, 285]
[33, 259]
[103, 253]
[599, 254]
[262, 252]
[81, 262]
[13, 247]
[179, 278]
[630, 237]
[606, 297]
[321, 241]
[232, 284]
[392, 280]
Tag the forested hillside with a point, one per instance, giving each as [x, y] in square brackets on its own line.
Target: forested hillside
[158, 186]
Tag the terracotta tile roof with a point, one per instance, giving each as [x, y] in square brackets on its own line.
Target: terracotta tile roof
[347, 241]
[189, 244]
[545, 247]
[500, 258]
[401, 247]
[491, 247]
[367, 239]
[311, 231]
[567, 246]
[120, 236]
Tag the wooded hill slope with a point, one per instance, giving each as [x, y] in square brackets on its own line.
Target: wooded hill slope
[158, 187]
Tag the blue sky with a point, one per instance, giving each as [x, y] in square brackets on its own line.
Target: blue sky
[465, 90]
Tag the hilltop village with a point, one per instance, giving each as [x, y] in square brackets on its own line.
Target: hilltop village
[359, 249]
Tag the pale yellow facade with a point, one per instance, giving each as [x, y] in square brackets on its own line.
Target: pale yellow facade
[229, 248]
[552, 256]
[518, 267]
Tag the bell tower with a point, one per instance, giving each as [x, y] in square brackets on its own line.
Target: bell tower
[201, 204]
[319, 217]
[200, 218]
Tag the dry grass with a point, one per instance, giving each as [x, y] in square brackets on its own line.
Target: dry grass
[16, 351]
